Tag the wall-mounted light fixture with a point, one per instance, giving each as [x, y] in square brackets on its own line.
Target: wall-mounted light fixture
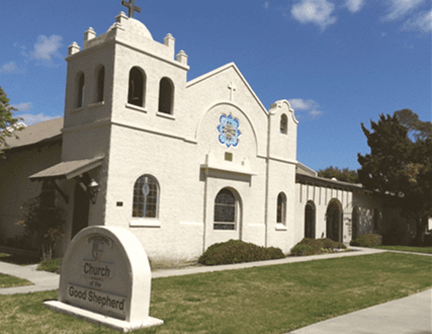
[92, 190]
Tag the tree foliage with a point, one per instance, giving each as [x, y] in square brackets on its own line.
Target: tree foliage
[399, 166]
[43, 224]
[8, 123]
[344, 174]
[417, 129]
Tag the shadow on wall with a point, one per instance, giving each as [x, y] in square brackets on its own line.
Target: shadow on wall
[365, 221]
[397, 231]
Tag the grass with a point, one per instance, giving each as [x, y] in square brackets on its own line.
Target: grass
[427, 250]
[7, 281]
[52, 266]
[271, 299]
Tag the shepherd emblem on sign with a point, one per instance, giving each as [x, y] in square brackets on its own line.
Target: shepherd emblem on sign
[98, 247]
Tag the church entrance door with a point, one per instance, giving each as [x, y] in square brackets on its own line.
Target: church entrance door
[334, 221]
[80, 210]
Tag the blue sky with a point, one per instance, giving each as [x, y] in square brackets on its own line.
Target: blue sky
[339, 62]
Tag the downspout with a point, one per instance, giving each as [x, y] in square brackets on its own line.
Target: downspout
[205, 171]
[267, 177]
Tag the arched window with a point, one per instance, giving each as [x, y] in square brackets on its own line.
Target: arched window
[145, 197]
[281, 209]
[310, 220]
[166, 96]
[137, 81]
[284, 124]
[100, 77]
[225, 210]
[80, 85]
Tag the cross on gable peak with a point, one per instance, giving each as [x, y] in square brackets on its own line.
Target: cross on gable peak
[232, 88]
[131, 7]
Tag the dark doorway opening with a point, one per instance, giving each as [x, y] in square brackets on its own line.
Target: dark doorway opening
[80, 210]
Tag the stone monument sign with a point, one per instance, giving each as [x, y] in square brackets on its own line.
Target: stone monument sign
[105, 279]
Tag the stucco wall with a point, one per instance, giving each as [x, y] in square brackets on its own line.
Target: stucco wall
[16, 188]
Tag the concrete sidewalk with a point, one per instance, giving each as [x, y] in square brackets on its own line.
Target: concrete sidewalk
[43, 280]
[409, 315]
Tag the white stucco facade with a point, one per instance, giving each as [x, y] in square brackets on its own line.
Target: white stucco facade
[131, 112]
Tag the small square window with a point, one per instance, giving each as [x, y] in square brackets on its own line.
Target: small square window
[228, 156]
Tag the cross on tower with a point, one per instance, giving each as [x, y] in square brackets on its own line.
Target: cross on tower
[131, 7]
[232, 88]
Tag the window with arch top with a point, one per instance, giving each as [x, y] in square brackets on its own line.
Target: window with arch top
[137, 82]
[146, 197]
[281, 209]
[166, 96]
[284, 124]
[100, 83]
[80, 85]
[225, 210]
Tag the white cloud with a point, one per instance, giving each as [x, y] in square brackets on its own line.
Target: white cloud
[9, 67]
[266, 5]
[300, 104]
[315, 113]
[47, 47]
[33, 119]
[400, 8]
[309, 106]
[23, 106]
[314, 11]
[354, 5]
[421, 21]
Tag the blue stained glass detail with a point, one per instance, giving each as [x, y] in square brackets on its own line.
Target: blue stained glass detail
[228, 131]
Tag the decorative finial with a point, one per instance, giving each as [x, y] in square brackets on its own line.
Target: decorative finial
[131, 7]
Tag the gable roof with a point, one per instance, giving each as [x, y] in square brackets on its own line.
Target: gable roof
[39, 133]
[222, 69]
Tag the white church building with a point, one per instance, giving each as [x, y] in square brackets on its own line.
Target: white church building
[182, 164]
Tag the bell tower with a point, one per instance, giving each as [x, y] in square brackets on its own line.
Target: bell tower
[122, 77]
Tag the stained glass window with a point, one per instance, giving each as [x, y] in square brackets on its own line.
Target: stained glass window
[225, 210]
[146, 197]
[281, 208]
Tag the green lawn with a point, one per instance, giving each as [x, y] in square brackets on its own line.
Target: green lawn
[427, 250]
[7, 281]
[273, 299]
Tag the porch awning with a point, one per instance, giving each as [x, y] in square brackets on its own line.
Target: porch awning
[67, 169]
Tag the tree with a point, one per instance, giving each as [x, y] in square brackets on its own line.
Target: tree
[43, 224]
[417, 129]
[344, 175]
[399, 166]
[8, 123]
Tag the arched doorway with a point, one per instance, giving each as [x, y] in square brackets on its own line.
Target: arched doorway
[310, 220]
[80, 210]
[334, 220]
[355, 223]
